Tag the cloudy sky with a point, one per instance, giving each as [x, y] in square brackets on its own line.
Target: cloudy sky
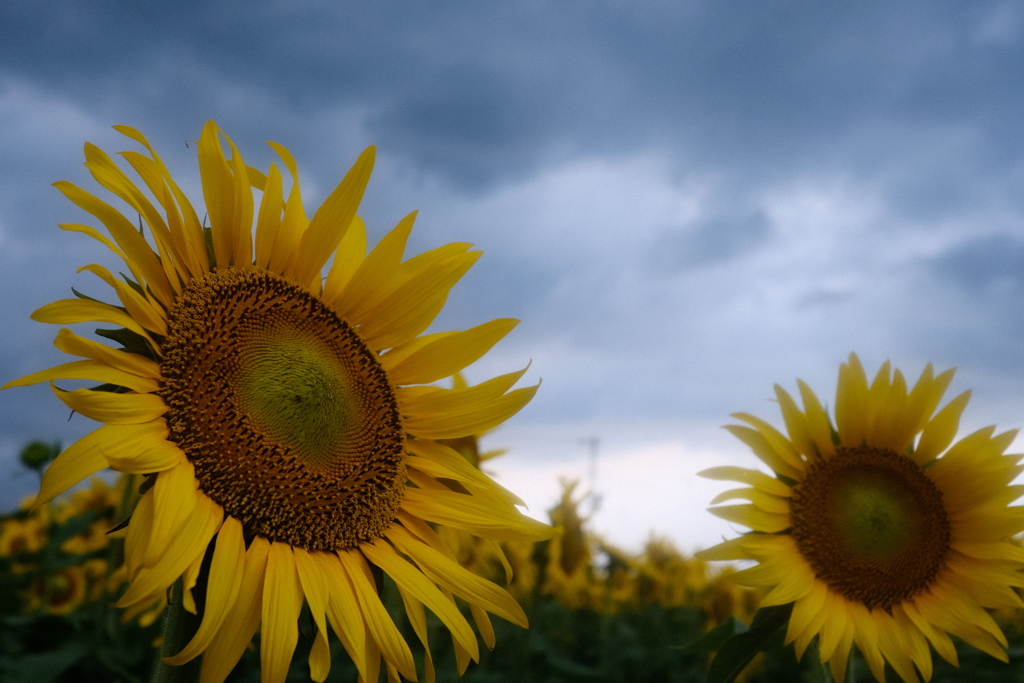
[684, 202]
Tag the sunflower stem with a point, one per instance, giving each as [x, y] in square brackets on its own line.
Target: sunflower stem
[179, 627]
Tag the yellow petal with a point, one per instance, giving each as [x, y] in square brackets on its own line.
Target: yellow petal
[435, 413]
[474, 419]
[177, 234]
[764, 501]
[852, 403]
[150, 582]
[111, 408]
[765, 451]
[941, 430]
[452, 576]
[445, 462]
[141, 260]
[418, 620]
[174, 499]
[350, 253]
[794, 586]
[136, 541]
[158, 457]
[371, 281]
[148, 314]
[727, 550]
[243, 208]
[332, 219]
[450, 354]
[841, 657]
[242, 621]
[894, 645]
[938, 638]
[753, 517]
[346, 617]
[316, 591]
[88, 455]
[392, 644]
[425, 533]
[473, 515]
[294, 222]
[269, 220]
[282, 603]
[483, 623]
[69, 342]
[410, 308]
[759, 479]
[191, 229]
[71, 311]
[410, 579]
[924, 398]
[107, 174]
[93, 370]
[95, 234]
[782, 446]
[796, 424]
[805, 611]
[219, 194]
[818, 426]
[188, 580]
[77, 462]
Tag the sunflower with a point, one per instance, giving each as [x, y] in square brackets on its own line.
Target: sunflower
[59, 593]
[285, 420]
[877, 530]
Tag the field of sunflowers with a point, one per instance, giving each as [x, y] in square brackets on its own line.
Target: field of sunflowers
[597, 612]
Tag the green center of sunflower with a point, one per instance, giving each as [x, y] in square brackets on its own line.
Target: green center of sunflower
[871, 524]
[297, 393]
[288, 417]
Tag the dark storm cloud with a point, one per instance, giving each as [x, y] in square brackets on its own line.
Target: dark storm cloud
[481, 92]
[823, 143]
[994, 262]
[709, 242]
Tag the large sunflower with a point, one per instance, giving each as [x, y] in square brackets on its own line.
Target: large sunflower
[284, 419]
[878, 531]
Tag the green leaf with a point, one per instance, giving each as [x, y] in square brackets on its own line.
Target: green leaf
[211, 254]
[737, 651]
[44, 667]
[131, 341]
[122, 525]
[86, 296]
[713, 639]
[111, 388]
[36, 454]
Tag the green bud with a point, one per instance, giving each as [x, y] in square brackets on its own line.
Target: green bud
[36, 454]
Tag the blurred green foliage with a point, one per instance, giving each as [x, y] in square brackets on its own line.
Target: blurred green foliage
[597, 613]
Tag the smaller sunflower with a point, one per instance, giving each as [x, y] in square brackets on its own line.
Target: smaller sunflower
[876, 529]
[58, 593]
[22, 536]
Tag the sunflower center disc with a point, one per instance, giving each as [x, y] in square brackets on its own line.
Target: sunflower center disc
[871, 525]
[289, 419]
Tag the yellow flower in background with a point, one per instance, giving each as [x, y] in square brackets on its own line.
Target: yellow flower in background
[22, 536]
[60, 592]
[569, 574]
[93, 537]
[286, 417]
[877, 530]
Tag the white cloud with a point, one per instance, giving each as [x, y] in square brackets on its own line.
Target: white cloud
[647, 488]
